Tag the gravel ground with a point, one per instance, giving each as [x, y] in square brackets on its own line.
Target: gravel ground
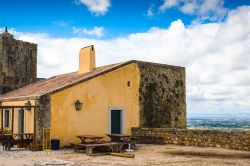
[18, 153]
[145, 155]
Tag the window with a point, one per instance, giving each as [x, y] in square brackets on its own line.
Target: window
[7, 118]
[128, 83]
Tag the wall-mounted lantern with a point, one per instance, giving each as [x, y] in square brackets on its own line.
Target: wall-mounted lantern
[78, 105]
[28, 105]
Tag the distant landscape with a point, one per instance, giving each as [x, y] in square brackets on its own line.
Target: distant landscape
[219, 122]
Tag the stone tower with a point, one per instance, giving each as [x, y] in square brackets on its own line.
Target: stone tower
[18, 63]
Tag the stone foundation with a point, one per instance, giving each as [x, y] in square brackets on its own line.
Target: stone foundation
[230, 139]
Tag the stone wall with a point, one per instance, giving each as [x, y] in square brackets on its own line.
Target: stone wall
[231, 139]
[162, 95]
[18, 63]
[42, 117]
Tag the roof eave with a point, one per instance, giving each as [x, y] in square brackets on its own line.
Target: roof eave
[19, 98]
[85, 79]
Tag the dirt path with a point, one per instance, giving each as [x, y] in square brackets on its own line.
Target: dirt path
[145, 155]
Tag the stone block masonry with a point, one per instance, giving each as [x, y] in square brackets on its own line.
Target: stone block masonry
[18, 63]
[230, 139]
[162, 96]
[42, 117]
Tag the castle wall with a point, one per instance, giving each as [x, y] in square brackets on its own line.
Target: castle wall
[18, 63]
[230, 139]
[162, 96]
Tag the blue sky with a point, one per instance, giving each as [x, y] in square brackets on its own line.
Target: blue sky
[57, 17]
[210, 38]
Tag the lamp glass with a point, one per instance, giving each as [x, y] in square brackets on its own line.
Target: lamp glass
[78, 105]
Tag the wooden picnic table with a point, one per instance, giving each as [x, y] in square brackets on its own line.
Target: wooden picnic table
[124, 141]
[21, 139]
[113, 146]
[119, 137]
[91, 138]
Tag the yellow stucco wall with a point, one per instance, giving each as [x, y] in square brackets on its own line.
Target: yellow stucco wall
[28, 116]
[98, 96]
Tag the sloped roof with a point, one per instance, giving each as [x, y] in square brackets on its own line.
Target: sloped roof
[60, 82]
[57, 83]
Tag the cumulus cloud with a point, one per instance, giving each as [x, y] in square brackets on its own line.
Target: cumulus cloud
[212, 10]
[96, 31]
[216, 57]
[98, 7]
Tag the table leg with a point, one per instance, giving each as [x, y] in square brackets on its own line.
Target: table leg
[89, 151]
[83, 140]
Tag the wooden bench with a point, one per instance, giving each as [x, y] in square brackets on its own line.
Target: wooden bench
[81, 147]
[112, 145]
[126, 145]
[9, 140]
[77, 147]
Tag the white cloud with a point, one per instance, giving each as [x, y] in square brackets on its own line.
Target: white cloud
[169, 4]
[150, 12]
[96, 31]
[216, 57]
[204, 9]
[98, 7]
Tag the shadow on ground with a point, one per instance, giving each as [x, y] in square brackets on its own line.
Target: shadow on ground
[209, 154]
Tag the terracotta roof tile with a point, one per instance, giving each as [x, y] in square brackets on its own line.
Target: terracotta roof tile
[57, 83]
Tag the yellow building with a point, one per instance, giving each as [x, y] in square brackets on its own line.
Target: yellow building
[98, 100]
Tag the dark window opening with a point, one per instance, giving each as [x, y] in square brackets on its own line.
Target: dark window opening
[21, 121]
[128, 83]
[7, 118]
